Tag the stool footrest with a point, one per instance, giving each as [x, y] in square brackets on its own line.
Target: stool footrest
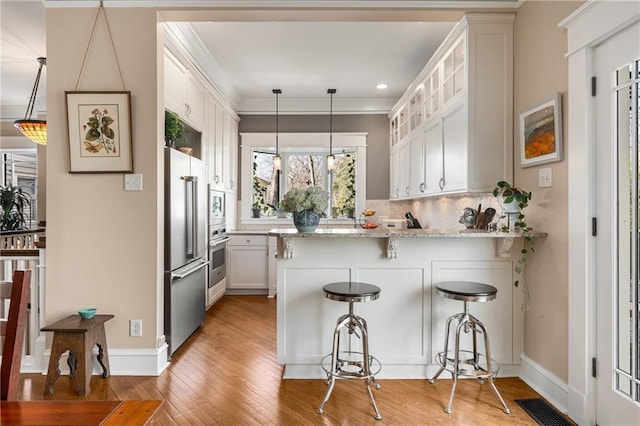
[478, 367]
[343, 364]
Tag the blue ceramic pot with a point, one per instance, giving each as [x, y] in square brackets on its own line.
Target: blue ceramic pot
[306, 221]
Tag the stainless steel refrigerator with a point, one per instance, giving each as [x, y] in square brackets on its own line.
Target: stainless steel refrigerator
[185, 255]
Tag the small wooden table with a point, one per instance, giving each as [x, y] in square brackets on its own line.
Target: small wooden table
[68, 413]
[78, 336]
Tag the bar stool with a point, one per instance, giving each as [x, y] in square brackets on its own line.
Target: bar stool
[477, 365]
[350, 364]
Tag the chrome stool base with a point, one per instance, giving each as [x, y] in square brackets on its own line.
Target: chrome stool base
[465, 363]
[350, 364]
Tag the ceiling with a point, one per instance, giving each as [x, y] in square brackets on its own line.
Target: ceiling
[249, 58]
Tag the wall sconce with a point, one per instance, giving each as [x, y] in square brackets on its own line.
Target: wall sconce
[277, 160]
[36, 130]
[331, 159]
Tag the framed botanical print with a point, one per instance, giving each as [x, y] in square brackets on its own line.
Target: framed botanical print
[99, 130]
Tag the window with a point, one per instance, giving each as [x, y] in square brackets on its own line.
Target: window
[303, 164]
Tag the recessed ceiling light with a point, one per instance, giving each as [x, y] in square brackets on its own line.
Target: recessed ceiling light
[382, 86]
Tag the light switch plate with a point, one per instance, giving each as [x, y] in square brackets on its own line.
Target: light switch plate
[133, 182]
[545, 178]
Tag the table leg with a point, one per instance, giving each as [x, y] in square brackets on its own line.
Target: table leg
[72, 362]
[57, 349]
[103, 356]
[83, 376]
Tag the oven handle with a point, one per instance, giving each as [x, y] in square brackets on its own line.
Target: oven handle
[216, 242]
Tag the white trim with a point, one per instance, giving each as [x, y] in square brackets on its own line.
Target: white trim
[586, 28]
[122, 362]
[547, 384]
[298, 4]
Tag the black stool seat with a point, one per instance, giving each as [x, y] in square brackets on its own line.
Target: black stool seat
[466, 291]
[351, 291]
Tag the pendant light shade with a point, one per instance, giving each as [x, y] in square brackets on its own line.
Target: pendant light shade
[277, 160]
[331, 159]
[36, 130]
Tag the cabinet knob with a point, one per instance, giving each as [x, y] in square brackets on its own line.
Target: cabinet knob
[441, 183]
[216, 179]
[407, 190]
[422, 187]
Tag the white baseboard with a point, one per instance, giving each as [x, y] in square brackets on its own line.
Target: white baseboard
[123, 362]
[547, 384]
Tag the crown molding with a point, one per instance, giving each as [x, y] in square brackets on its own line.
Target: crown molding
[297, 4]
[303, 106]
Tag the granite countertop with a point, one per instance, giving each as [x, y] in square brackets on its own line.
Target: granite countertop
[249, 232]
[398, 233]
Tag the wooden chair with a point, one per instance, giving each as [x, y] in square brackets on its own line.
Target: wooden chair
[13, 329]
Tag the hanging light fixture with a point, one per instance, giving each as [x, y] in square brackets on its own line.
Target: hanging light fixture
[331, 159]
[277, 160]
[36, 130]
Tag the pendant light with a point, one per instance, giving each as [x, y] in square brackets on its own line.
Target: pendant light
[36, 130]
[331, 159]
[277, 160]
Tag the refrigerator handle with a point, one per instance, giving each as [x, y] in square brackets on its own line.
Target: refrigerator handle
[191, 216]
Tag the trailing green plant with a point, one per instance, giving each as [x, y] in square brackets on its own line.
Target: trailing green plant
[506, 194]
[173, 129]
[13, 202]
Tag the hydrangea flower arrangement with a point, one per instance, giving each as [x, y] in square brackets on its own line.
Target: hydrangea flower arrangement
[311, 198]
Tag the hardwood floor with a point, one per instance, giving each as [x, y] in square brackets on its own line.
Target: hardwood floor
[227, 374]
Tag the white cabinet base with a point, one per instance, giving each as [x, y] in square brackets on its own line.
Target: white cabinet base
[406, 324]
[216, 292]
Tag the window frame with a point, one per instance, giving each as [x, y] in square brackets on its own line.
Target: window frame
[300, 143]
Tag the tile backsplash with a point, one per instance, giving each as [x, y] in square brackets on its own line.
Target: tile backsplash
[436, 212]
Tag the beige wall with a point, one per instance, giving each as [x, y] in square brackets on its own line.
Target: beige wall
[540, 70]
[104, 245]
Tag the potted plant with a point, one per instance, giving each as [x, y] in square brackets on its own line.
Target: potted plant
[307, 205]
[13, 202]
[514, 201]
[173, 129]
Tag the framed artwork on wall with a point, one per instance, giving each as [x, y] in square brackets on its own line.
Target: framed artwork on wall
[99, 132]
[541, 133]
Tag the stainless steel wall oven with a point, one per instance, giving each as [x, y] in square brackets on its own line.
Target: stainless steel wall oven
[217, 237]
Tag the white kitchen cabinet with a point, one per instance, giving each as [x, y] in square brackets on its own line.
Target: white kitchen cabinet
[394, 179]
[417, 185]
[230, 151]
[273, 266]
[404, 171]
[248, 264]
[468, 98]
[184, 94]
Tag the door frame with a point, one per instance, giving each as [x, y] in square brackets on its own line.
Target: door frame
[587, 27]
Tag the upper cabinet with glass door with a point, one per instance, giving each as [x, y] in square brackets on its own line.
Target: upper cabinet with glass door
[453, 79]
[461, 102]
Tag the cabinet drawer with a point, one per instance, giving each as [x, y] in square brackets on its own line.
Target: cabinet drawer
[248, 240]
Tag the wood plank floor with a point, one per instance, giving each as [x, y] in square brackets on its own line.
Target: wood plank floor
[227, 374]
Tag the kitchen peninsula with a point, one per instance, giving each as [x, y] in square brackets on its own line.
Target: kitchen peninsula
[406, 325]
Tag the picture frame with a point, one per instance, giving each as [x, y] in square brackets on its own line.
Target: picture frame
[541, 132]
[99, 132]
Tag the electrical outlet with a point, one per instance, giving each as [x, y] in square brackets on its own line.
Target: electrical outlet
[135, 328]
